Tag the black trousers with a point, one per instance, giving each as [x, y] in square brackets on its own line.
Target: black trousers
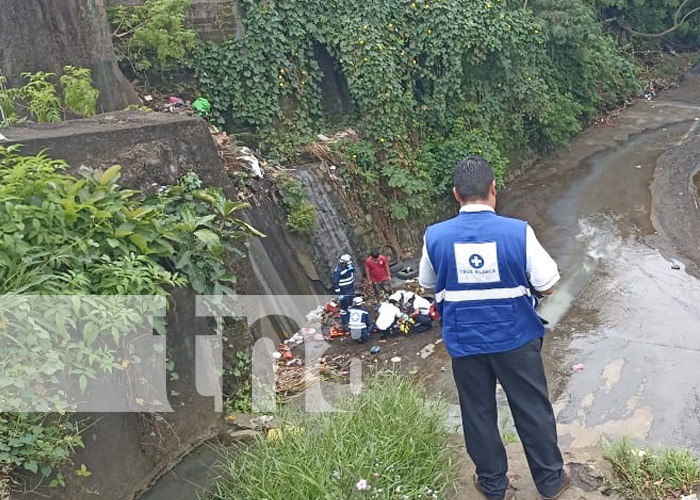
[522, 377]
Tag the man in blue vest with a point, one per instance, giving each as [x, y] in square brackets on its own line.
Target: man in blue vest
[482, 267]
[360, 322]
[344, 285]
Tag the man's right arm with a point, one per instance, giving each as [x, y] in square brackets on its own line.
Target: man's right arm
[426, 273]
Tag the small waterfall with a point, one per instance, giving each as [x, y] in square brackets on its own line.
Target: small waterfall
[330, 239]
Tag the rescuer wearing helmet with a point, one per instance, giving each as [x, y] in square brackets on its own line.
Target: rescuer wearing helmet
[360, 322]
[344, 285]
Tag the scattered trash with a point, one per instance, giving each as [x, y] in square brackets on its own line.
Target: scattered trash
[578, 368]
[362, 485]
[148, 98]
[202, 106]
[427, 351]
[650, 95]
[318, 337]
[296, 339]
[676, 267]
[176, 102]
[294, 362]
[288, 355]
[638, 166]
[375, 349]
[307, 331]
[247, 157]
[694, 496]
[262, 420]
[443, 369]
[3, 138]
[277, 355]
[396, 359]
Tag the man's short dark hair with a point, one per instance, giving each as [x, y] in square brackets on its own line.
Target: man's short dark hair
[374, 253]
[472, 178]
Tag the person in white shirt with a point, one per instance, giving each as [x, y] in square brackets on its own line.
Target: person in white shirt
[401, 297]
[418, 308]
[387, 319]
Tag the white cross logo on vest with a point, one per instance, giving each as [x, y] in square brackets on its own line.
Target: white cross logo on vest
[476, 261]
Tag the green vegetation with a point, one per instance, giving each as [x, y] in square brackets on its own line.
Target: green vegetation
[429, 79]
[36, 442]
[40, 96]
[392, 438]
[153, 36]
[301, 214]
[651, 22]
[648, 475]
[65, 236]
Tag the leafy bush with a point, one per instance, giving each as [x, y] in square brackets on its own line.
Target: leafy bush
[40, 97]
[301, 214]
[391, 437]
[645, 475]
[79, 94]
[153, 36]
[36, 442]
[64, 236]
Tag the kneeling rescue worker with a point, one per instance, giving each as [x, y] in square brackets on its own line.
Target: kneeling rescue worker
[360, 323]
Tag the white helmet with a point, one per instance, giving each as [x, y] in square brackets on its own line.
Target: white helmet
[345, 258]
[358, 301]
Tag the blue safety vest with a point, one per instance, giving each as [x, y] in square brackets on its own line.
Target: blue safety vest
[344, 279]
[359, 318]
[482, 291]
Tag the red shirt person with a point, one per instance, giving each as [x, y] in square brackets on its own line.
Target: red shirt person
[377, 272]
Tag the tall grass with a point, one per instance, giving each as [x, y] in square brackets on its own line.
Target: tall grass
[392, 438]
[645, 475]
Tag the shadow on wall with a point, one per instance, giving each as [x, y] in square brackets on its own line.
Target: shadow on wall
[335, 91]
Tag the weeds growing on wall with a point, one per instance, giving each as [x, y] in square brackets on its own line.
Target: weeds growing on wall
[301, 214]
[39, 98]
[463, 75]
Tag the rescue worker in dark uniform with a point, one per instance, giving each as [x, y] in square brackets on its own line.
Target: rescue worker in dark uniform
[360, 322]
[344, 285]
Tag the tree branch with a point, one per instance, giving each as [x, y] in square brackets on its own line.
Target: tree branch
[677, 23]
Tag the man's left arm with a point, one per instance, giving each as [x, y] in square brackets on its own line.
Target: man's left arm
[426, 273]
[542, 270]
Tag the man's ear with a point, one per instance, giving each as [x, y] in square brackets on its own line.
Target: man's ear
[493, 188]
[456, 194]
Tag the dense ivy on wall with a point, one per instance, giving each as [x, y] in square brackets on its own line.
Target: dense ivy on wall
[480, 74]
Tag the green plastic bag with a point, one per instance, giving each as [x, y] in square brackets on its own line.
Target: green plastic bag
[202, 106]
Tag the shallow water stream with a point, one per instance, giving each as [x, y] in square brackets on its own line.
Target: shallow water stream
[621, 310]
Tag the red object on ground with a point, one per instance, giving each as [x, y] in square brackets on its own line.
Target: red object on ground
[377, 269]
[330, 308]
[432, 312]
[337, 332]
[288, 354]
